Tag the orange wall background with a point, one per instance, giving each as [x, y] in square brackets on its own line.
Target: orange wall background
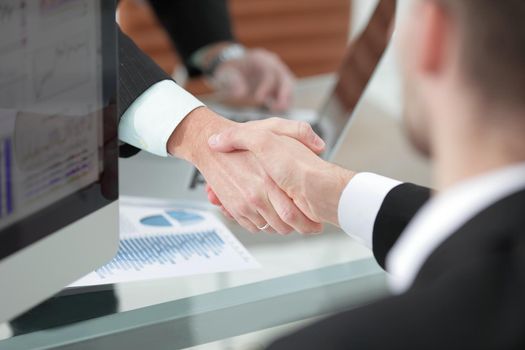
[309, 35]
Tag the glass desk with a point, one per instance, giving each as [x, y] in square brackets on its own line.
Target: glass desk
[300, 278]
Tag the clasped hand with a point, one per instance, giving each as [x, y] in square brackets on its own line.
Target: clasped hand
[288, 153]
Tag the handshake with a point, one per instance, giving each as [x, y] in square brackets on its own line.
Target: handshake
[267, 176]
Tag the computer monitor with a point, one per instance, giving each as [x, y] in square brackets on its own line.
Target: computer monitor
[58, 146]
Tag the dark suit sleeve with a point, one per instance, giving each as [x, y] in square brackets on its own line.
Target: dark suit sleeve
[137, 72]
[193, 24]
[398, 208]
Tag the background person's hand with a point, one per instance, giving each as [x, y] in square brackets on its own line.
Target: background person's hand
[259, 76]
[314, 185]
[241, 184]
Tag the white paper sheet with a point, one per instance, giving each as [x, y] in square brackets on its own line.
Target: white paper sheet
[159, 241]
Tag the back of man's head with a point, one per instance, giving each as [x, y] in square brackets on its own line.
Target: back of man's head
[493, 46]
[464, 68]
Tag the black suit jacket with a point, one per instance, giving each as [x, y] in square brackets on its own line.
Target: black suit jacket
[191, 24]
[469, 294]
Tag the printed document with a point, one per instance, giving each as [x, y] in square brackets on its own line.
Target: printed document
[162, 241]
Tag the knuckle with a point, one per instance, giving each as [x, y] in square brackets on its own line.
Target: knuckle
[254, 200]
[304, 130]
[226, 134]
[288, 215]
[259, 142]
[308, 230]
[273, 124]
[243, 209]
[262, 142]
[286, 231]
[267, 181]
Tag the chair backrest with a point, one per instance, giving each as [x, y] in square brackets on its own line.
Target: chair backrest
[309, 35]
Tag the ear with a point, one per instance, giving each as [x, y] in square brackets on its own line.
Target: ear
[432, 38]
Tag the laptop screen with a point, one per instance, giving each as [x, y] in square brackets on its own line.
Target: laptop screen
[359, 64]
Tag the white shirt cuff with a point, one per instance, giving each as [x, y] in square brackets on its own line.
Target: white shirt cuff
[149, 122]
[360, 203]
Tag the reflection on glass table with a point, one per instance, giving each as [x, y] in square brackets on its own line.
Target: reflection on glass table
[301, 277]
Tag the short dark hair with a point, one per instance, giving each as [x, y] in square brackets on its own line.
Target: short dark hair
[493, 45]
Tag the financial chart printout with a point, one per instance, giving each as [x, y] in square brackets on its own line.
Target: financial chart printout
[50, 103]
[161, 241]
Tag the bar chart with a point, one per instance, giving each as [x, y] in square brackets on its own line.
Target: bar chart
[166, 242]
[137, 253]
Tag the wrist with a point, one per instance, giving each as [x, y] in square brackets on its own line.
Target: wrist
[221, 54]
[339, 179]
[189, 141]
[208, 58]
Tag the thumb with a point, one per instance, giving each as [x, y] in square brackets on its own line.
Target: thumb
[229, 140]
[301, 131]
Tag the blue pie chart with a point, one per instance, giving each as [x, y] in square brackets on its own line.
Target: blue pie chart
[155, 220]
[184, 218]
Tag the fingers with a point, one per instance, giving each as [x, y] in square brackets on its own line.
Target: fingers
[231, 140]
[275, 85]
[274, 211]
[260, 212]
[268, 212]
[266, 87]
[301, 131]
[290, 214]
[226, 213]
[243, 137]
[254, 212]
[246, 223]
[246, 216]
[212, 197]
[285, 87]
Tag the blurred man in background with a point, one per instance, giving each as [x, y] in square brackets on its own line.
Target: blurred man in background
[202, 33]
[456, 257]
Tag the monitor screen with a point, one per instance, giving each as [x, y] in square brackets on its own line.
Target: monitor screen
[58, 141]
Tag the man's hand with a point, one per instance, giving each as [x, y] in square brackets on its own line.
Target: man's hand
[314, 185]
[259, 76]
[242, 185]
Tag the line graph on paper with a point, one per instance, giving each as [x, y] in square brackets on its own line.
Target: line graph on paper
[55, 12]
[11, 21]
[7, 11]
[56, 68]
[12, 79]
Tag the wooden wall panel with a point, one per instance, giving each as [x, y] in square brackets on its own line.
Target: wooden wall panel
[309, 35]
